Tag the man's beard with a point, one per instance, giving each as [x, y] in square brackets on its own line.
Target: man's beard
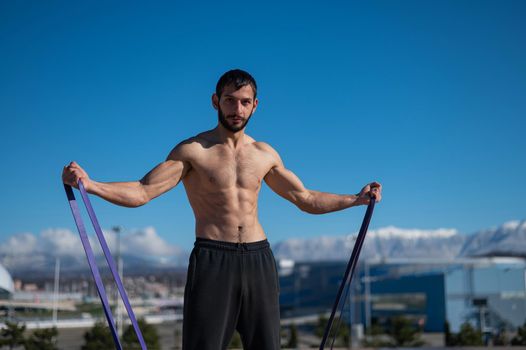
[232, 128]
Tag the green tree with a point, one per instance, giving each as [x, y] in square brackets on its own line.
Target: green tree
[149, 333]
[235, 342]
[12, 335]
[345, 334]
[374, 337]
[501, 338]
[98, 337]
[43, 339]
[403, 333]
[520, 338]
[468, 335]
[293, 337]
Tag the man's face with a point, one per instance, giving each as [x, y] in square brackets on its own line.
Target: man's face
[235, 107]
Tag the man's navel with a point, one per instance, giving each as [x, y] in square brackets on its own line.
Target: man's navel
[239, 233]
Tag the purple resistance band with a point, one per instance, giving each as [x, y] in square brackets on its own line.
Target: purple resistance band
[349, 272]
[93, 265]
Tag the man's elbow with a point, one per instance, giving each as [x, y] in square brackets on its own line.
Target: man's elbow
[142, 198]
[309, 208]
[306, 202]
[139, 203]
[135, 203]
[313, 211]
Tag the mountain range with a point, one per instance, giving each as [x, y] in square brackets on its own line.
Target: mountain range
[391, 242]
[25, 254]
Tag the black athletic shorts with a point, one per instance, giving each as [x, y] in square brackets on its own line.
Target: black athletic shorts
[231, 286]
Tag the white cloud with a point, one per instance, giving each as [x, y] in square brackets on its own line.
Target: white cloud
[63, 242]
[146, 242]
[22, 243]
[60, 242]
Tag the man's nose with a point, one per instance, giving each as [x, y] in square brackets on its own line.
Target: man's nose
[239, 107]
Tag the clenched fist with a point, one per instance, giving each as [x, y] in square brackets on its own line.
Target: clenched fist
[370, 190]
[72, 173]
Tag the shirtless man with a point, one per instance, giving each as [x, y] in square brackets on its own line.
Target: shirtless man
[232, 279]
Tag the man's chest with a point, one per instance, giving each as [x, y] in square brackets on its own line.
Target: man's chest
[223, 169]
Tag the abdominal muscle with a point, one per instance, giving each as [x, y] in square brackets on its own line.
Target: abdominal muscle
[225, 215]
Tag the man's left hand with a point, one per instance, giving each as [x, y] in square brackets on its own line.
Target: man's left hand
[369, 190]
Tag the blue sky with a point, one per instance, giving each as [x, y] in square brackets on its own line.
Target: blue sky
[426, 97]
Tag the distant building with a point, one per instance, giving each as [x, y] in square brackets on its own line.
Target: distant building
[488, 292]
[7, 287]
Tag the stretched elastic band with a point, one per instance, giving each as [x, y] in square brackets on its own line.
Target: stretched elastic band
[349, 272]
[93, 265]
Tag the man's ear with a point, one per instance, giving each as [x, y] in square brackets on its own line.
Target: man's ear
[215, 101]
[256, 101]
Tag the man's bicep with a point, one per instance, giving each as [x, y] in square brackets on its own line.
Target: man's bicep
[286, 184]
[162, 178]
[166, 175]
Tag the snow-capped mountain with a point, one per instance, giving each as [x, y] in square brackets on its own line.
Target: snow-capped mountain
[387, 242]
[507, 240]
[144, 250]
[392, 242]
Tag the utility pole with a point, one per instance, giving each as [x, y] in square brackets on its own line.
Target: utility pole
[525, 284]
[352, 313]
[56, 291]
[367, 298]
[118, 309]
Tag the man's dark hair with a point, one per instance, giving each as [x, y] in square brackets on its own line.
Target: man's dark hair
[238, 78]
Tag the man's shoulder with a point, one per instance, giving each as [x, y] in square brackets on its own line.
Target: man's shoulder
[188, 147]
[264, 146]
[267, 149]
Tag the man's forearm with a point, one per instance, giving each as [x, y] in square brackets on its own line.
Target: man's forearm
[323, 202]
[127, 194]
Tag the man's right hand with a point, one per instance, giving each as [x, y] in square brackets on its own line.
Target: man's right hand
[72, 173]
[132, 194]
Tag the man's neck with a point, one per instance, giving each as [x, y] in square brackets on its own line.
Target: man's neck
[228, 137]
